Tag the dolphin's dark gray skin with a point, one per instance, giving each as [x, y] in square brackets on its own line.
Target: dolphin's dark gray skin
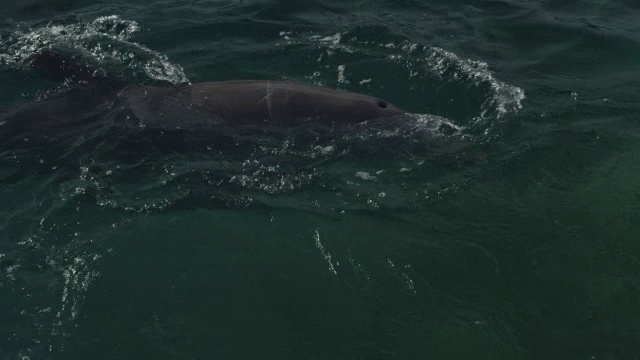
[249, 103]
[198, 107]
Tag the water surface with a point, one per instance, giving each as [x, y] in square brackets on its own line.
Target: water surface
[366, 244]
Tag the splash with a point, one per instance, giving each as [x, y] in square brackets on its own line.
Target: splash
[270, 178]
[503, 99]
[325, 254]
[78, 274]
[420, 63]
[106, 41]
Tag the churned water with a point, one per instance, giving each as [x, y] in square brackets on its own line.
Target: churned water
[517, 237]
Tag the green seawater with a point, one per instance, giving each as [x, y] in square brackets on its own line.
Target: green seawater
[521, 243]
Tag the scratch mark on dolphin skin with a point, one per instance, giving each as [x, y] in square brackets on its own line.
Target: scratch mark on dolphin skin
[268, 98]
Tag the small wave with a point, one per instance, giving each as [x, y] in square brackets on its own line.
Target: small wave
[270, 178]
[105, 40]
[504, 98]
[422, 129]
[78, 274]
[420, 63]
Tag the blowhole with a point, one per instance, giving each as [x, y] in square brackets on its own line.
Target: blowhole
[382, 104]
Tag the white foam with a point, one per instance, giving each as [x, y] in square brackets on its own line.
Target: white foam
[105, 40]
[341, 77]
[325, 254]
[365, 176]
[435, 123]
[501, 100]
[505, 98]
[330, 43]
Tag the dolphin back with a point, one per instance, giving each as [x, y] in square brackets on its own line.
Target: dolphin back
[253, 103]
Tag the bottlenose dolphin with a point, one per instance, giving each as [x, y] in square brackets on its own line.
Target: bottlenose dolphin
[101, 101]
[251, 102]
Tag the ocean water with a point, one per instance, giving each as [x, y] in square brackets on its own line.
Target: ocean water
[517, 236]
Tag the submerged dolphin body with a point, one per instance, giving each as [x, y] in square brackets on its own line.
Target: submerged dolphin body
[102, 101]
[195, 109]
